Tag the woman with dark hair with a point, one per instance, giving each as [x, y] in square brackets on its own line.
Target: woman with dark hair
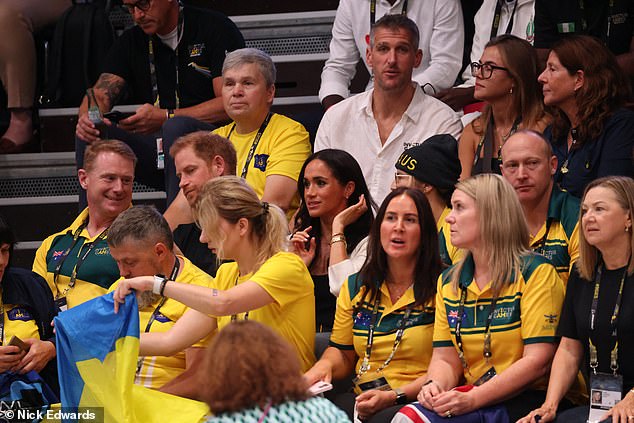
[251, 375]
[331, 226]
[27, 311]
[506, 80]
[384, 318]
[592, 134]
[597, 320]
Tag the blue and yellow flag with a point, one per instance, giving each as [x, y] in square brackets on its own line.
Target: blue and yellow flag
[97, 352]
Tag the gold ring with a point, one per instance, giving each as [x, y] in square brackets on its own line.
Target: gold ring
[449, 414]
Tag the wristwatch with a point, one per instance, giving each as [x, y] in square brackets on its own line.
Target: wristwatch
[401, 397]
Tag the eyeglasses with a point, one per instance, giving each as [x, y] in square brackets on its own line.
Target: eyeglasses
[485, 69]
[142, 5]
[402, 180]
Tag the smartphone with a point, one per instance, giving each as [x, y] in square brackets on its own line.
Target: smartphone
[114, 116]
[15, 341]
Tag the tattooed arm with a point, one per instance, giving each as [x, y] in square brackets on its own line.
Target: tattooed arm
[107, 91]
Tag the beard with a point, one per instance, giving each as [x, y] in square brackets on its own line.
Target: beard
[147, 298]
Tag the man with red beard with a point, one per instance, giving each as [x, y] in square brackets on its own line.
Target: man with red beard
[76, 262]
[552, 215]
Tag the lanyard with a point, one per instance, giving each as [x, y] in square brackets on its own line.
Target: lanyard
[234, 317]
[496, 19]
[80, 260]
[564, 167]
[152, 59]
[1, 322]
[155, 314]
[487, 331]
[594, 360]
[373, 11]
[542, 242]
[254, 145]
[365, 364]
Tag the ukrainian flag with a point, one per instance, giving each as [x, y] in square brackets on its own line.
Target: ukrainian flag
[97, 351]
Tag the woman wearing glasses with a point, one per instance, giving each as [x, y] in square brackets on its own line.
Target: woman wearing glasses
[592, 134]
[496, 312]
[506, 80]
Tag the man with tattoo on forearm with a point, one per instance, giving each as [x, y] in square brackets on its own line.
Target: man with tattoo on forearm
[169, 63]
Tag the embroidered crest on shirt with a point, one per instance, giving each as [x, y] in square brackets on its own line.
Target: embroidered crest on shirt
[196, 50]
[19, 313]
[259, 161]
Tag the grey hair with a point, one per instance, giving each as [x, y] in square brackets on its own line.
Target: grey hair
[245, 56]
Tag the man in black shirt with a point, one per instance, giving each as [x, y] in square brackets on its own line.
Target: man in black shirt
[170, 63]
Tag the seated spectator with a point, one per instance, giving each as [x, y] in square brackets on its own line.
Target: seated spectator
[141, 243]
[384, 317]
[76, 261]
[441, 39]
[433, 168]
[552, 215]
[592, 134]
[271, 147]
[375, 127]
[331, 226]
[170, 64]
[506, 79]
[494, 17]
[496, 312]
[264, 283]
[27, 313]
[19, 19]
[198, 157]
[611, 22]
[599, 286]
[243, 386]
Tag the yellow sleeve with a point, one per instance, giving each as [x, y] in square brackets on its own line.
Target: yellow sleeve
[290, 149]
[442, 332]
[284, 277]
[40, 266]
[342, 336]
[541, 304]
[573, 247]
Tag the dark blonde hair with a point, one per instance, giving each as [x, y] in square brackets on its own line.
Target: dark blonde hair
[247, 365]
[520, 59]
[107, 146]
[503, 230]
[206, 146]
[623, 189]
[232, 199]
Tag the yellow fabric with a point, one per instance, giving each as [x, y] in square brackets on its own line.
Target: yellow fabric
[99, 269]
[557, 239]
[158, 370]
[109, 384]
[18, 322]
[292, 313]
[282, 150]
[454, 253]
[527, 312]
[351, 331]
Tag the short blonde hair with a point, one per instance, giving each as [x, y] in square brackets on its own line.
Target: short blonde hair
[107, 146]
[623, 189]
[503, 230]
[232, 199]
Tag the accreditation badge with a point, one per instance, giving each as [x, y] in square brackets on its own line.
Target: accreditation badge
[371, 380]
[61, 304]
[605, 391]
[488, 375]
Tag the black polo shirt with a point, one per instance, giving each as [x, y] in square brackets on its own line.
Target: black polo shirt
[556, 18]
[207, 36]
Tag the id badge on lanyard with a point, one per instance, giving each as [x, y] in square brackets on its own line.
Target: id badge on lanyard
[605, 391]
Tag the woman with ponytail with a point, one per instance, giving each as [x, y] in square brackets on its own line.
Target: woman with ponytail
[263, 283]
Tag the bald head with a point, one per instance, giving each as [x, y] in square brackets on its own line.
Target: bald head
[528, 164]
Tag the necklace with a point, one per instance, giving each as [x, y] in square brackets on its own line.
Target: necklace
[400, 292]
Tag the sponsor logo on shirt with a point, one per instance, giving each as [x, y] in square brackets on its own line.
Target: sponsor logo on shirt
[103, 251]
[162, 318]
[19, 313]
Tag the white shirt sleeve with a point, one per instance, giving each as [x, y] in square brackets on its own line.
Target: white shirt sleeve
[338, 273]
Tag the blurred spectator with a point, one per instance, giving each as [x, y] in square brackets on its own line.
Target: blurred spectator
[252, 375]
[19, 20]
[441, 39]
[592, 134]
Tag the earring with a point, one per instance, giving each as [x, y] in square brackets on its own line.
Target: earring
[627, 229]
[511, 90]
